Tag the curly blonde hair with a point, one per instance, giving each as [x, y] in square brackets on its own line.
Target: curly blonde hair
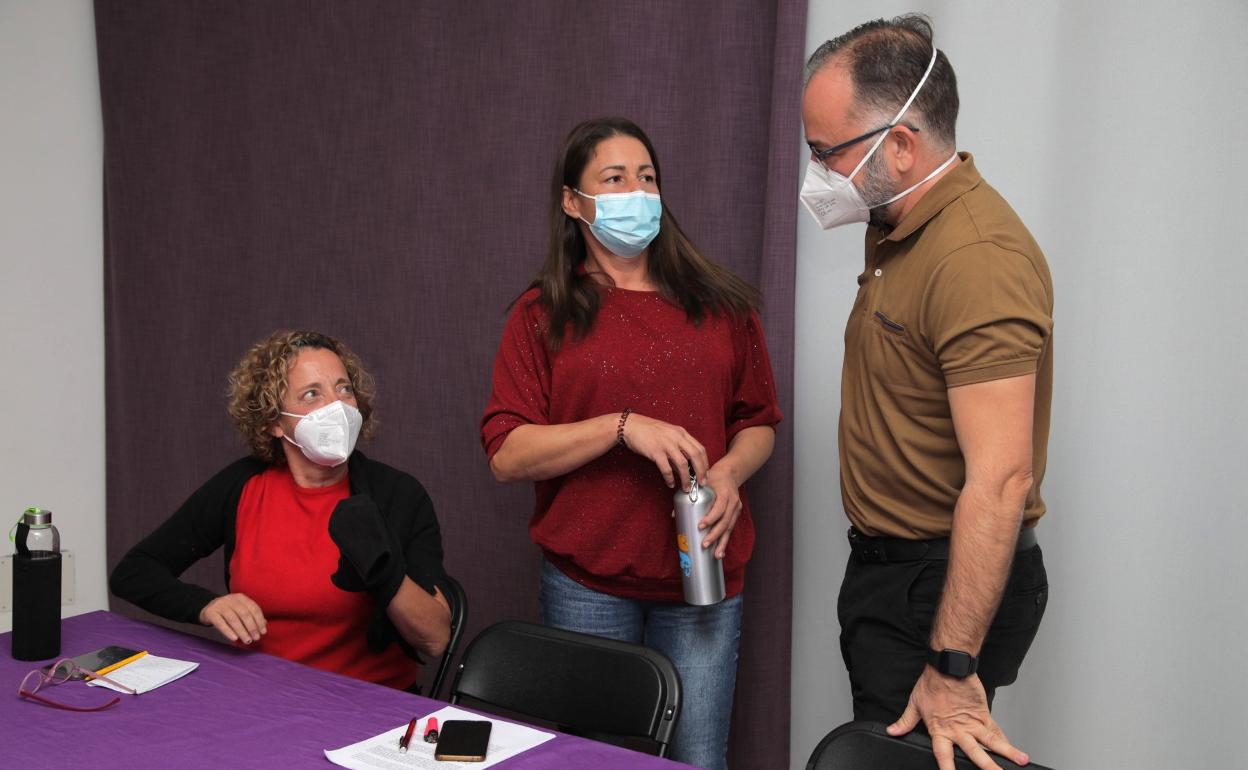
[258, 384]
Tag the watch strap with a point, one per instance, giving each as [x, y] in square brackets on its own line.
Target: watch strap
[954, 663]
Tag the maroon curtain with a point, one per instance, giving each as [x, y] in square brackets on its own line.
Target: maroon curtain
[378, 171]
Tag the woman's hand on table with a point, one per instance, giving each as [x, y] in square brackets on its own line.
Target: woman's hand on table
[669, 447]
[236, 616]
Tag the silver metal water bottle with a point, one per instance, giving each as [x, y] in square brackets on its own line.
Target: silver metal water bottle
[701, 574]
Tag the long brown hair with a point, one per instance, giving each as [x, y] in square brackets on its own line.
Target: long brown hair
[679, 271]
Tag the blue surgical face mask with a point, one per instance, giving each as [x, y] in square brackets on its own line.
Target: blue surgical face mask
[625, 223]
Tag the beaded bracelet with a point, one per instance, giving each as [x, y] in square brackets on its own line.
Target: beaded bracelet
[619, 430]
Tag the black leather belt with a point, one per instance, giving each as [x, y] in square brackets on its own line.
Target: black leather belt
[888, 549]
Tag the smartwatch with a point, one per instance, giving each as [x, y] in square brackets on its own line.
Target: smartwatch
[954, 663]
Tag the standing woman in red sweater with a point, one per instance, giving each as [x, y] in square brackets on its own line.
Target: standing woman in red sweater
[631, 358]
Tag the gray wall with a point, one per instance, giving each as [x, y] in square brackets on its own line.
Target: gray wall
[1114, 129]
[51, 290]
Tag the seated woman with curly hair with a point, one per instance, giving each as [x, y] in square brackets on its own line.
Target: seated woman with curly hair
[331, 559]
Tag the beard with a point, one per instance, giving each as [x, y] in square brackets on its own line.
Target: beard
[877, 187]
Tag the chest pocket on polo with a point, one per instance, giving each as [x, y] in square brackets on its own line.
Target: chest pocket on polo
[906, 370]
[889, 324]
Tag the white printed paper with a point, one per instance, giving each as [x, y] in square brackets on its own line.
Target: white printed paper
[146, 673]
[381, 752]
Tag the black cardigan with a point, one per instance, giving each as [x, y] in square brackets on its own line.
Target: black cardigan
[148, 575]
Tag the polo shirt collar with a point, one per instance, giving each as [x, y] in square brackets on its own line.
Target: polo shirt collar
[953, 185]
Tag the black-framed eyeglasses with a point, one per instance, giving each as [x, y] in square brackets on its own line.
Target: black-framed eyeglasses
[58, 673]
[823, 155]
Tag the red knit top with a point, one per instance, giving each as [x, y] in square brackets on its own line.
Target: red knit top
[283, 558]
[608, 524]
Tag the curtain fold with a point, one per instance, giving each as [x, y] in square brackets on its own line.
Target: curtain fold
[378, 171]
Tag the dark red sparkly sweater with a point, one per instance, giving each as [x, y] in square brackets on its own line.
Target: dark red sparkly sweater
[608, 523]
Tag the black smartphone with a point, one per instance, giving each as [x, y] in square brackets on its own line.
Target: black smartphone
[98, 660]
[463, 740]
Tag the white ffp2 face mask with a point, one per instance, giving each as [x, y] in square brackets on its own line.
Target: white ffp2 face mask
[327, 436]
[833, 200]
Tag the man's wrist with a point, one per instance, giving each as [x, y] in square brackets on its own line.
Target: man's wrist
[958, 664]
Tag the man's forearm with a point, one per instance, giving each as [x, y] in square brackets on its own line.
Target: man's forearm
[985, 531]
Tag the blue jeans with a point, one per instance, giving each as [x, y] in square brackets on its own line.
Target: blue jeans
[702, 642]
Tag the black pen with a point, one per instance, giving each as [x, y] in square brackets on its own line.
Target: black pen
[407, 737]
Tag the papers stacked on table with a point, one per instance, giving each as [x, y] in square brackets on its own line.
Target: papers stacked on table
[382, 751]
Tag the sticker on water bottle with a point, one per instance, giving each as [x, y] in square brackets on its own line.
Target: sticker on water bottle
[686, 563]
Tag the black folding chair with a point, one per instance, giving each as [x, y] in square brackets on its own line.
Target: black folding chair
[458, 600]
[868, 746]
[611, 691]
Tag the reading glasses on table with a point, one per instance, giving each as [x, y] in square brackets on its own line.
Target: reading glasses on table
[60, 672]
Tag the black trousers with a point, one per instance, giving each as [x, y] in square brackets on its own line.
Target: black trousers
[886, 612]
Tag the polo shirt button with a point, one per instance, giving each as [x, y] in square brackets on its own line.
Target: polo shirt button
[878, 272]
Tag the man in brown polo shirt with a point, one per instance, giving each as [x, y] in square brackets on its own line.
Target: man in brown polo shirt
[944, 396]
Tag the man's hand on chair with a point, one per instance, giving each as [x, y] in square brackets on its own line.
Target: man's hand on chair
[956, 713]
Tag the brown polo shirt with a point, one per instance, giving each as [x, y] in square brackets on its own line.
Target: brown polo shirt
[958, 293]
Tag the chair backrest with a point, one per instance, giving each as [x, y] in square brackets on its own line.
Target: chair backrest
[867, 746]
[458, 600]
[598, 687]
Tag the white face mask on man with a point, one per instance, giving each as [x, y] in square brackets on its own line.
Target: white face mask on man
[327, 436]
[833, 200]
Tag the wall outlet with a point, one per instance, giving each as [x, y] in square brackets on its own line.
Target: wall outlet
[6, 580]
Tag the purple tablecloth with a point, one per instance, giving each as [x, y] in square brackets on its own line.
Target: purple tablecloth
[238, 709]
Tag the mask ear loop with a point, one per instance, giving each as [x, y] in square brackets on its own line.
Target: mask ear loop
[298, 419]
[593, 198]
[897, 118]
[916, 185]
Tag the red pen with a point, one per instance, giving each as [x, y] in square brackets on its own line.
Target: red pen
[407, 737]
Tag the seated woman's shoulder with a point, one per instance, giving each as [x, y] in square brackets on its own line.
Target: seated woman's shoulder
[239, 470]
[248, 464]
[382, 476]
